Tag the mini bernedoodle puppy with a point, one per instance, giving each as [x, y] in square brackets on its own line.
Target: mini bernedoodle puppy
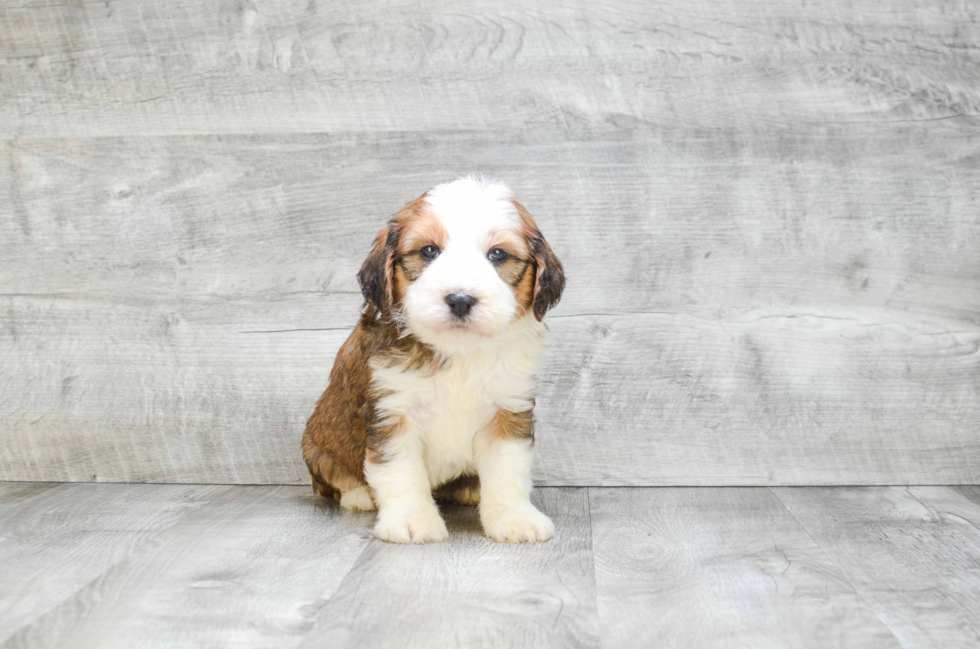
[431, 396]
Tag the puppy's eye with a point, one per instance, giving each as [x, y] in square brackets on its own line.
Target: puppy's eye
[429, 252]
[496, 255]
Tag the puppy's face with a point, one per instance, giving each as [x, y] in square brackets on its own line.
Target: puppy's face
[464, 260]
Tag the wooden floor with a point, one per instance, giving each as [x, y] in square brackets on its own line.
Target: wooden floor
[127, 565]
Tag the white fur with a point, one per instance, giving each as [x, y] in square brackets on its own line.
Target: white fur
[489, 365]
[470, 209]
[506, 510]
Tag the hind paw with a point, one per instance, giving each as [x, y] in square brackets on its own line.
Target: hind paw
[358, 500]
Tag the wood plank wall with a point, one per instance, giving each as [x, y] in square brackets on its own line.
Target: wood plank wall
[769, 213]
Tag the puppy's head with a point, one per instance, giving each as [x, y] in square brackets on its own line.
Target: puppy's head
[463, 260]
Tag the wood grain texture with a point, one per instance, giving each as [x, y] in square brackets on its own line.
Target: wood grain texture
[249, 569]
[107, 566]
[471, 591]
[719, 568]
[15, 495]
[911, 552]
[224, 66]
[55, 543]
[971, 493]
[795, 307]
[768, 216]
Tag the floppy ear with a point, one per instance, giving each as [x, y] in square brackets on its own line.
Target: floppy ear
[549, 278]
[376, 276]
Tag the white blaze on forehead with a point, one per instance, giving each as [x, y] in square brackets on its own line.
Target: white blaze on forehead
[471, 207]
[477, 214]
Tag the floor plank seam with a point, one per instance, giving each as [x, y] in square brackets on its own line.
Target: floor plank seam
[872, 605]
[326, 602]
[595, 573]
[134, 551]
[929, 509]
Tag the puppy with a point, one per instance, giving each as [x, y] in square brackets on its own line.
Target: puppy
[432, 394]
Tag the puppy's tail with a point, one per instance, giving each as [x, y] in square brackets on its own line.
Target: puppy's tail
[314, 460]
[321, 487]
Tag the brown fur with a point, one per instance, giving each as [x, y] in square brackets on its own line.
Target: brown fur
[512, 270]
[420, 228]
[464, 490]
[336, 433]
[512, 425]
[344, 427]
[524, 290]
[549, 278]
[511, 242]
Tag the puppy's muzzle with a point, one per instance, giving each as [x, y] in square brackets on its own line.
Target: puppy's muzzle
[460, 304]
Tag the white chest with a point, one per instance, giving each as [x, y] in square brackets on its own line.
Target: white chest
[445, 410]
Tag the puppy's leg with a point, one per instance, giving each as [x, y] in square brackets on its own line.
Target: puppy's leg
[407, 513]
[504, 467]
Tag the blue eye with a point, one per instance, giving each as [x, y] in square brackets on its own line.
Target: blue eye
[496, 255]
[429, 252]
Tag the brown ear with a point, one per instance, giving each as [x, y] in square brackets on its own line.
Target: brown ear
[376, 276]
[549, 278]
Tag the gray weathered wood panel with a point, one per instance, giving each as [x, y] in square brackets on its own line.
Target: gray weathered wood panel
[971, 493]
[63, 537]
[719, 568]
[15, 495]
[250, 568]
[199, 66]
[912, 553]
[795, 308]
[769, 215]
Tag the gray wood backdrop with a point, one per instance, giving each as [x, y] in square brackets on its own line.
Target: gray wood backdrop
[769, 213]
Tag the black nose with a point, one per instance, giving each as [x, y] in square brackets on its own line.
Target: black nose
[460, 303]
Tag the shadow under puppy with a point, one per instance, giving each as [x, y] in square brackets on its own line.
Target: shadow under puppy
[432, 394]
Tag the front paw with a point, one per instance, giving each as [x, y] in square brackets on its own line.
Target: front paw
[520, 523]
[416, 524]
